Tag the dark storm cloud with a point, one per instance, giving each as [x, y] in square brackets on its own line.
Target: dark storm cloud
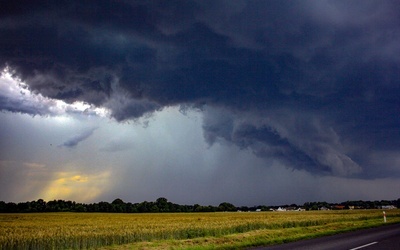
[75, 140]
[297, 139]
[314, 84]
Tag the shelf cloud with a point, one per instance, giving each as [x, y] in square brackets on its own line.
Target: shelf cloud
[310, 85]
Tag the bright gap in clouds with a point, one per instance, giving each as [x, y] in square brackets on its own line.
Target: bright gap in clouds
[17, 97]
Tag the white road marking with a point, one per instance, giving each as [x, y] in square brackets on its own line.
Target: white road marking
[366, 245]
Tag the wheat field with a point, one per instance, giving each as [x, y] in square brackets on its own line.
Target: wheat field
[95, 230]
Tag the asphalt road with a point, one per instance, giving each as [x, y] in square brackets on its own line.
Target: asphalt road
[385, 237]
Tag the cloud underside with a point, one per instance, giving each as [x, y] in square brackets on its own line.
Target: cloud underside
[311, 84]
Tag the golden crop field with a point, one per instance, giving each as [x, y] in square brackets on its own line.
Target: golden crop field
[178, 230]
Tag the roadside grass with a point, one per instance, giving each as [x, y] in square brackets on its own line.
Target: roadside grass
[262, 237]
[180, 230]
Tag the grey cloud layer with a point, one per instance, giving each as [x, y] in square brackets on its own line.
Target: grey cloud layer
[314, 84]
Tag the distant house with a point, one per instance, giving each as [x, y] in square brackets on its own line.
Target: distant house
[389, 207]
[258, 210]
[280, 209]
[323, 208]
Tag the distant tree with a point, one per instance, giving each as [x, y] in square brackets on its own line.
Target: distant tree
[80, 208]
[118, 201]
[154, 209]
[11, 207]
[243, 208]
[144, 207]
[38, 206]
[93, 207]
[23, 207]
[3, 206]
[131, 208]
[201, 209]
[118, 205]
[53, 206]
[162, 204]
[225, 206]
[105, 207]
[161, 200]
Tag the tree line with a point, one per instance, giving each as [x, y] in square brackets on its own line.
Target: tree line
[117, 206]
[163, 205]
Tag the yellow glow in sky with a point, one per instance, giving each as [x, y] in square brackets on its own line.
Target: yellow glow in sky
[76, 186]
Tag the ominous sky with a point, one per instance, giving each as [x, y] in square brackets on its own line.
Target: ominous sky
[249, 102]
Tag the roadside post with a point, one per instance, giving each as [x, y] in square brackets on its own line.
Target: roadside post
[384, 216]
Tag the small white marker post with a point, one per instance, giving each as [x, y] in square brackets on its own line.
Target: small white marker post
[384, 216]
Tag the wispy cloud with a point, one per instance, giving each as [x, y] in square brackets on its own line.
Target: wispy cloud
[75, 140]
